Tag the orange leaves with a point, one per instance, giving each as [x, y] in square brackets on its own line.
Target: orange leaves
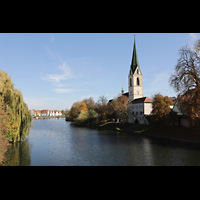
[190, 105]
[161, 106]
[76, 109]
[117, 108]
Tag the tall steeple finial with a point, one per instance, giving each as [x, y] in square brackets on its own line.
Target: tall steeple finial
[122, 90]
[135, 84]
[135, 62]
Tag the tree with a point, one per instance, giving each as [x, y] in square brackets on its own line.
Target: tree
[92, 114]
[102, 101]
[4, 118]
[187, 71]
[102, 108]
[17, 110]
[82, 116]
[186, 82]
[90, 103]
[76, 109]
[117, 108]
[161, 107]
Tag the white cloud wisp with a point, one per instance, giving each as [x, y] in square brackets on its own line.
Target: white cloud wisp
[57, 78]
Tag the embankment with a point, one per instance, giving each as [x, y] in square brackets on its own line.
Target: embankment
[3, 147]
[191, 134]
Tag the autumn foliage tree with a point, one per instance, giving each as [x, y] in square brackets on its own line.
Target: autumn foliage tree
[186, 82]
[161, 107]
[91, 105]
[91, 113]
[78, 108]
[117, 108]
[17, 120]
[4, 118]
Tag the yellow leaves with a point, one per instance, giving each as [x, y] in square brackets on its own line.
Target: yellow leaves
[76, 109]
[13, 111]
[161, 106]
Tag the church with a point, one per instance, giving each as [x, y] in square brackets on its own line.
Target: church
[138, 106]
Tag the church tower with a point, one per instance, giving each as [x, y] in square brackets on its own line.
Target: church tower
[135, 78]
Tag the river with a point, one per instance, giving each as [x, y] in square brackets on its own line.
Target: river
[54, 142]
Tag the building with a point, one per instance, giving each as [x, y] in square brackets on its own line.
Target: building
[33, 113]
[38, 113]
[138, 106]
[45, 113]
[135, 84]
[51, 113]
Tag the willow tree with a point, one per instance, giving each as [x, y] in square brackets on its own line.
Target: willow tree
[4, 118]
[186, 82]
[16, 109]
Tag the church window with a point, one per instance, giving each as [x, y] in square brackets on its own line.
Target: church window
[137, 71]
[138, 81]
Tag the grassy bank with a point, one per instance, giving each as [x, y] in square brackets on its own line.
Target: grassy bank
[3, 147]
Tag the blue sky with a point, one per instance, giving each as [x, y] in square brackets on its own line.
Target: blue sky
[53, 70]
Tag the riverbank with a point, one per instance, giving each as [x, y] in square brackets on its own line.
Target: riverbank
[47, 117]
[128, 128]
[191, 134]
[3, 147]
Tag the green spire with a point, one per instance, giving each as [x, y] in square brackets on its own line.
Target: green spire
[135, 62]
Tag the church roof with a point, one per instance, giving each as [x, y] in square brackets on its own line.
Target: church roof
[142, 100]
[135, 62]
[124, 94]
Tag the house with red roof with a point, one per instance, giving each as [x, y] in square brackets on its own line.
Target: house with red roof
[138, 109]
[51, 113]
[45, 113]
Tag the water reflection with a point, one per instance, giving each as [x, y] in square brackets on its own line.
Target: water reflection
[167, 152]
[56, 143]
[148, 155]
[18, 154]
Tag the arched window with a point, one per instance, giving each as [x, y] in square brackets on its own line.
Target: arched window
[138, 81]
[137, 71]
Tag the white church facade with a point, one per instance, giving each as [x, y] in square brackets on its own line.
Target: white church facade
[138, 106]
